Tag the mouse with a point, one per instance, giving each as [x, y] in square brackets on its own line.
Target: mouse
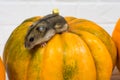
[41, 31]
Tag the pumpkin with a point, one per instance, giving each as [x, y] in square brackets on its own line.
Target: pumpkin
[2, 70]
[84, 52]
[115, 37]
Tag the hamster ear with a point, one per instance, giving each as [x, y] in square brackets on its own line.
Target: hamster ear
[57, 26]
[61, 28]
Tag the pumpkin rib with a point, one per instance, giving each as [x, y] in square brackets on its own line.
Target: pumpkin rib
[100, 55]
[53, 55]
[10, 42]
[82, 55]
[34, 64]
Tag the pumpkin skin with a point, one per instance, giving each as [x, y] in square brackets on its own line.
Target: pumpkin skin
[115, 37]
[2, 70]
[85, 57]
[86, 25]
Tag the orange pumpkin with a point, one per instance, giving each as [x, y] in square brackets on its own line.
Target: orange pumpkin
[84, 52]
[2, 70]
[116, 38]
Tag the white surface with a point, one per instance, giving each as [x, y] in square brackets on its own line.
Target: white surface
[13, 13]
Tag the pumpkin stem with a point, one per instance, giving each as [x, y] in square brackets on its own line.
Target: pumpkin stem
[55, 11]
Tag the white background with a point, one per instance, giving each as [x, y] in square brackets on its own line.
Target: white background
[13, 12]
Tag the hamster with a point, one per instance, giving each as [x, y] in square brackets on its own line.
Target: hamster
[44, 29]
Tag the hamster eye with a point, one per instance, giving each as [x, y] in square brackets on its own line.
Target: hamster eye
[31, 39]
[41, 29]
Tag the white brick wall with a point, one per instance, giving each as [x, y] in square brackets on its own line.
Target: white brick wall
[13, 12]
[69, 0]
